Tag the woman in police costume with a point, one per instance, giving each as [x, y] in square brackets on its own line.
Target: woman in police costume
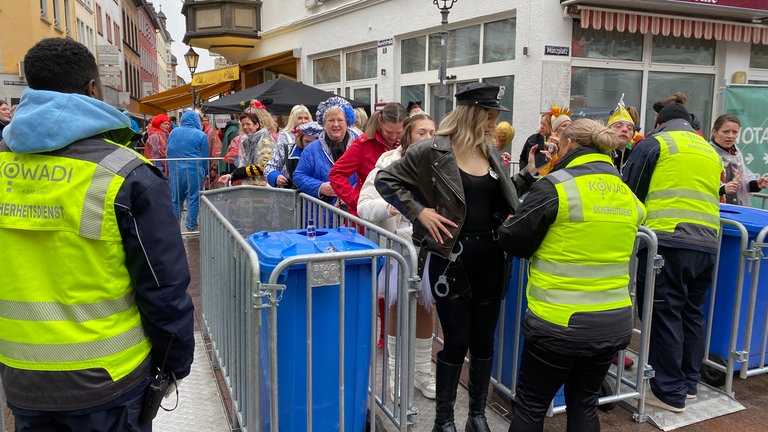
[454, 190]
[577, 226]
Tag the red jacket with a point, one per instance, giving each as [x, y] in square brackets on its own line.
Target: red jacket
[360, 158]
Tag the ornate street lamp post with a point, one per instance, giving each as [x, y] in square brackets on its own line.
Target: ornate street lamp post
[445, 8]
[191, 58]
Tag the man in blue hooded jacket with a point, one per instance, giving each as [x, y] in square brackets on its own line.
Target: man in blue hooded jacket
[187, 142]
[93, 294]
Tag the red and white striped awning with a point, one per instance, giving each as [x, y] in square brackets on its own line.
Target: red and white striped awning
[655, 24]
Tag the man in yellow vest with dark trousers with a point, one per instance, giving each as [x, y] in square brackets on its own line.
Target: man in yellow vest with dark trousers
[93, 299]
[677, 176]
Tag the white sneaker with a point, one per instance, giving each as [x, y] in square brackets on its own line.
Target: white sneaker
[652, 400]
[426, 384]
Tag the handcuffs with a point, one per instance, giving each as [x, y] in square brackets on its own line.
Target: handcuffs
[442, 280]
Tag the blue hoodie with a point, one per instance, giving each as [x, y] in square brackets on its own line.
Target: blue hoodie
[46, 121]
[188, 141]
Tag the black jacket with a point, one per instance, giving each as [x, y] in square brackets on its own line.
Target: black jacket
[428, 177]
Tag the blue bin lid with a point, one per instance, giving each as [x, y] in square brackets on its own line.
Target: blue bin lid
[273, 247]
[753, 219]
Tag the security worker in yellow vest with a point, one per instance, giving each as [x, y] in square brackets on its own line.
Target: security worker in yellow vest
[676, 173]
[577, 226]
[94, 277]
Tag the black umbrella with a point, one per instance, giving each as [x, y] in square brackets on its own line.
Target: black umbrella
[279, 95]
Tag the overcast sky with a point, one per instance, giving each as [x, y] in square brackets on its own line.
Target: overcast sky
[177, 25]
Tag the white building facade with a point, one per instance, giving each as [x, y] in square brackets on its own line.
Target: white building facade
[581, 54]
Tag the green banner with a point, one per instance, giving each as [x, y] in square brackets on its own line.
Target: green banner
[749, 104]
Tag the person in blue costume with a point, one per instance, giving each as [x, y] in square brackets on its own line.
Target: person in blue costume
[188, 142]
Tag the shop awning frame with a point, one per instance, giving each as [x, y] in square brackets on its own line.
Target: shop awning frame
[207, 84]
[634, 22]
[181, 96]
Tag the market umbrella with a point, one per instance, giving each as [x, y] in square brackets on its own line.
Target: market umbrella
[279, 95]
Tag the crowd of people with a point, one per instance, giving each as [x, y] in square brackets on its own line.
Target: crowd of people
[445, 187]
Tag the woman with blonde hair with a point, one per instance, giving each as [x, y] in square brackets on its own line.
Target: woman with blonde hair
[577, 227]
[298, 116]
[361, 119]
[275, 169]
[454, 191]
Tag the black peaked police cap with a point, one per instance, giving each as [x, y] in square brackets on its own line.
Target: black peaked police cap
[481, 94]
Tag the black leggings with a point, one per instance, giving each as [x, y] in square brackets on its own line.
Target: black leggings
[469, 319]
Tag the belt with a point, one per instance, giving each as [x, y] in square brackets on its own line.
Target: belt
[485, 236]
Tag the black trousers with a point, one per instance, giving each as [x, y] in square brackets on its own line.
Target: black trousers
[470, 310]
[120, 415]
[543, 370]
[678, 323]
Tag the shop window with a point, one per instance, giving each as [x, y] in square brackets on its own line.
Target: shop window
[595, 92]
[413, 93]
[508, 98]
[361, 64]
[758, 56]
[698, 88]
[434, 100]
[499, 41]
[327, 69]
[602, 44]
[413, 54]
[463, 47]
[680, 50]
[363, 95]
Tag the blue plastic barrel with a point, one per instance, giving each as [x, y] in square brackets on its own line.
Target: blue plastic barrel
[754, 220]
[274, 247]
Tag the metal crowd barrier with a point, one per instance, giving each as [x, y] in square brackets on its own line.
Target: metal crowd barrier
[756, 257]
[749, 260]
[623, 389]
[236, 303]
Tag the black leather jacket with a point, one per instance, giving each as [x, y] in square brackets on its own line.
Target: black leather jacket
[428, 177]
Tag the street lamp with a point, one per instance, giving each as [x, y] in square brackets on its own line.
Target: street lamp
[445, 7]
[191, 58]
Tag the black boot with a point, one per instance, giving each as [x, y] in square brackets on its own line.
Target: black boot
[479, 378]
[447, 377]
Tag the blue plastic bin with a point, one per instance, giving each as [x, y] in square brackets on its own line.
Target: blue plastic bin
[507, 329]
[272, 248]
[754, 220]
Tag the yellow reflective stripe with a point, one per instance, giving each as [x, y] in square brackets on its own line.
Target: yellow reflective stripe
[579, 271]
[557, 296]
[575, 205]
[118, 159]
[92, 216]
[72, 352]
[640, 212]
[51, 311]
[561, 176]
[572, 194]
[667, 139]
[683, 193]
[691, 215]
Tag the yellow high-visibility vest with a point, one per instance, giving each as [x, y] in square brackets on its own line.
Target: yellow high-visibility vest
[582, 265]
